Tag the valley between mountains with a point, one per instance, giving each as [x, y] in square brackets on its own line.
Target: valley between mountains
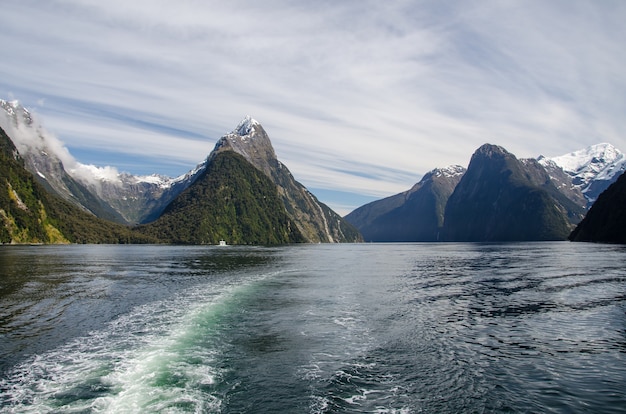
[242, 193]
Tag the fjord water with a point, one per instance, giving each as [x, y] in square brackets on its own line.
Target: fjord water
[389, 328]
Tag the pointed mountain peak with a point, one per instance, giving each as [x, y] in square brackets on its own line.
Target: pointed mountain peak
[594, 157]
[16, 112]
[250, 140]
[246, 126]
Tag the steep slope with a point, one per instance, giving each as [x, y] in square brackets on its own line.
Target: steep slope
[569, 198]
[591, 170]
[412, 216]
[140, 199]
[563, 182]
[30, 214]
[40, 151]
[103, 191]
[606, 220]
[315, 221]
[497, 201]
[230, 200]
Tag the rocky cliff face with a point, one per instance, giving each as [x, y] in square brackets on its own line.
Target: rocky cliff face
[119, 197]
[40, 154]
[563, 182]
[606, 220]
[555, 183]
[140, 199]
[31, 214]
[315, 221]
[412, 216]
[590, 170]
[498, 199]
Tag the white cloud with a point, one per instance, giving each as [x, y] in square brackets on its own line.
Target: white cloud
[356, 95]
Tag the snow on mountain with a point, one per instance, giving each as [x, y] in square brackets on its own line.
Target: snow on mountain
[594, 162]
[449, 171]
[591, 169]
[135, 198]
[34, 141]
[246, 126]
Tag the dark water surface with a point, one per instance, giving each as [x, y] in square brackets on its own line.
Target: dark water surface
[388, 328]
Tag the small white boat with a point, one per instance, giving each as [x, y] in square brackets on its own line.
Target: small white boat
[222, 243]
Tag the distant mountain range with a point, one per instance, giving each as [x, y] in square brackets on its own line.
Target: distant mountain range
[498, 198]
[590, 170]
[501, 198]
[242, 193]
[139, 200]
[414, 215]
[120, 197]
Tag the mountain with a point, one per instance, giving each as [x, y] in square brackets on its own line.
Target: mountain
[591, 170]
[314, 220]
[230, 200]
[140, 199]
[569, 198]
[606, 220]
[40, 150]
[104, 192]
[497, 199]
[31, 214]
[130, 199]
[412, 216]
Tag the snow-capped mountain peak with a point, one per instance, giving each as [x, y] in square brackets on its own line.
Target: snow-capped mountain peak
[246, 126]
[449, 171]
[592, 169]
[16, 112]
[591, 160]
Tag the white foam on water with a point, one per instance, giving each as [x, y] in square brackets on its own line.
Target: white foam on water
[154, 359]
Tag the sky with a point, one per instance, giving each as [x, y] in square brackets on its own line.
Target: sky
[360, 98]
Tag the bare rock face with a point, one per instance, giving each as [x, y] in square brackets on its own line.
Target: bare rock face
[591, 170]
[316, 221]
[40, 154]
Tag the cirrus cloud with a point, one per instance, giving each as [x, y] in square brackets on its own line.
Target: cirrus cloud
[360, 98]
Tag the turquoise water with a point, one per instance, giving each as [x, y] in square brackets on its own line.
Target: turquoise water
[388, 328]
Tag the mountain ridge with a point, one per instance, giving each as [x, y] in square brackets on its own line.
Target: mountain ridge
[415, 215]
[130, 199]
[29, 213]
[571, 181]
[591, 169]
[396, 218]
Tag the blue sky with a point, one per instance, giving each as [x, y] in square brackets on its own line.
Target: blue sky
[360, 98]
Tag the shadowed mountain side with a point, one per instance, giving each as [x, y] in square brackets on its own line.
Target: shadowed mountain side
[571, 199]
[496, 200]
[606, 220]
[413, 216]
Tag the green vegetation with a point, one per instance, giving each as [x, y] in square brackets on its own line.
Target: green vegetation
[232, 200]
[29, 214]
